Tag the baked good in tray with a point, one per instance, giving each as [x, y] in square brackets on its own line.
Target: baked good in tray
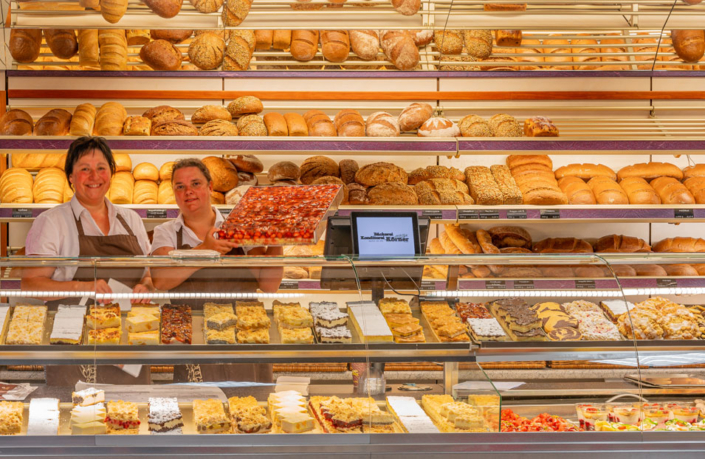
[281, 215]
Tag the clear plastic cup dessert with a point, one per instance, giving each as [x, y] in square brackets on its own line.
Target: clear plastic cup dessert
[626, 413]
[579, 408]
[656, 412]
[684, 411]
[594, 413]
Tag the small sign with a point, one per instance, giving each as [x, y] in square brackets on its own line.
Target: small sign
[22, 213]
[683, 213]
[524, 284]
[289, 285]
[550, 214]
[585, 284]
[495, 285]
[156, 213]
[225, 211]
[428, 285]
[468, 214]
[433, 214]
[489, 215]
[666, 282]
[516, 214]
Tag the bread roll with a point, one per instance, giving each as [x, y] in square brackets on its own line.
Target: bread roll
[576, 190]
[649, 270]
[54, 122]
[207, 51]
[83, 120]
[251, 125]
[617, 243]
[137, 126]
[680, 270]
[689, 44]
[407, 7]
[562, 47]
[296, 124]
[238, 55]
[530, 54]
[207, 6]
[585, 171]
[319, 124]
[166, 193]
[378, 173]
[474, 126]
[145, 192]
[210, 112]
[113, 49]
[122, 188]
[304, 44]
[165, 171]
[164, 8]
[62, 42]
[671, 191]
[413, 116]
[514, 161]
[25, 44]
[503, 125]
[16, 186]
[584, 46]
[88, 50]
[392, 193]
[650, 171]
[639, 191]
[382, 124]
[607, 191]
[478, 43]
[365, 44]
[283, 170]
[171, 35]
[161, 55]
[281, 39]
[696, 185]
[400, 49]
[110, 119]
[235, 11]
[146, 171]
[49, 186]
[16, 122]
[247, 163]
[448, 41]
[562, 245]
[223, 173]
[163, 113]
[349, 123]
[276, 125]
[335, 45]
[174, 128]
[680, 245]
[697, 170]
[246, 105]
[123, 162]
[113, 10]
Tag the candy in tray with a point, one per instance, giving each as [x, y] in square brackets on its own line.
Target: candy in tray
[281, 215]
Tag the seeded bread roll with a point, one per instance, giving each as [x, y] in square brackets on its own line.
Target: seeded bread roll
[413, 116]
[207, 6]
[207, 51]
[478, 43]
[671, 191]
[296, 124]
[316, 167]
[17, 122]
[440, 184]
[137, 125]
[443, 198]
[507, 185]
[400, 49]
[382, 124]
[650, 171]
[449, 41]
[238, 55]
[576, 190]
[431, 172]
[585, 171]
[235, 11]
[246, 105]
[349, 123]
[607, 191]
[392, 193]
[639, 191]
[319, 124]
[365, 44]
[483, 188]
[378, 173]
[276, 125]
[210, 112]
[218, 128]
[474, 126]
[25, 44]
[503, 125]
[251, 125]
[284, 170]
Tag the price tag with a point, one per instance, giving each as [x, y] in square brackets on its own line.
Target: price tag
[289, 285]
[516, 214]
[585, 284]
[495, 285]
[683, 213]
[489, 215]
[428, 285]
[156, 213]
[550, 214]
[433, 214]
[22, 213]
[666, 282]
[524, 284]
[225, 211]
[468, 214]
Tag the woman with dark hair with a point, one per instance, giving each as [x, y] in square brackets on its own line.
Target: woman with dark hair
[88, 226]
[194, 229]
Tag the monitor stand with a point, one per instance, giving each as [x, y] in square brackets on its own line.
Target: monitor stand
[377, 287]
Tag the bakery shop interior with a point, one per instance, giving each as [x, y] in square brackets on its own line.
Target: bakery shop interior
[267, 218]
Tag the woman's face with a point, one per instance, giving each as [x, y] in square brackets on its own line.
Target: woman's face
[191, 189]
[91, 177]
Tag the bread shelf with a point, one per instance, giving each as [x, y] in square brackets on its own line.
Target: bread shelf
[588, 287]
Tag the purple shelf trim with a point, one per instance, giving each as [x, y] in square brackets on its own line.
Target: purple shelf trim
[170, 213]
[7, 213]
[310, 284]
[605, 283]
[450, 214]
[10, 285]
[651, 214]
[581, 145]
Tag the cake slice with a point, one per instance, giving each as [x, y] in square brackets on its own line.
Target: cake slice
[24, 332]
[295, 318]
[399, 320]
[333, 335]
[418, 337]
[486, 330]
[210, 309]
[164, 415]
[143, 338]
[87, 397]
[369, 322]
[296, 335]
[247, 416]
[105, 336]
[100, 317]
[177, 327]
[122, 415]
[136, 323]
[249, 321]
[394, 306]
[253, 336]
[11, 417]
[88, 420]
[68, 326]
[221, 321]
[296, 423]
[43, 416]
[209, 417]
[226, 336]
[4, 320]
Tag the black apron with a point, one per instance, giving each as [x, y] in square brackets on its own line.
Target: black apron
[100, 246]
[218, 280]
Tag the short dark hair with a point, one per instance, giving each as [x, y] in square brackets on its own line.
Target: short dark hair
[191, 162]
[81, 146]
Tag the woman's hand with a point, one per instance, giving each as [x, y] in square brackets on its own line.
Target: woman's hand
[102, 287]
[142, 288]
[219, 245]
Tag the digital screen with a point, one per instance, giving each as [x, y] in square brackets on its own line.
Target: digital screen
[386, 236]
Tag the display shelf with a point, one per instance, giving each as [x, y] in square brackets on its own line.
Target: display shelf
[594, 213]
[437, 214]
[569, 146]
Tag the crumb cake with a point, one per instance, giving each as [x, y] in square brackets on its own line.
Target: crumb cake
[253, 336]
[104, 336]
[394, 306]
[122, 415]
[247, 416]
[209, 417]
[11, 417]
[164, 415]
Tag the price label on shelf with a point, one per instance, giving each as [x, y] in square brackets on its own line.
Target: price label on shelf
[428, 285]
[156, 213]
[289, 285]
[550, 214]
[516, 214]
[585, 284]
[22, 213]
[683, 213]
[524, 284]
[666, 282]
[468, 214]
[433, 214]
[495, 285]
[225, 211]
[489, 215]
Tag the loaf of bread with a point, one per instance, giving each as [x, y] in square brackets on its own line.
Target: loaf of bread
[276, 124]
[281, 39]
[676, 245]
[382, 124]
[620, 243]
[607, 191]
[415, 115]
[618, 50]
[392, 193]
[83, 120]
[400, 49]
[349, 123]
[54, 122]
[165, 195]
[441, 184]
[113, 10]
[335, 45]
[304, 44]
[649, 270]
[511, 194]
[49, 186]
[223, 173]
[650, 171]
[296, 124]
[316, 167]
[511, 38]
[235, 11]
[448, 41]
[161, 55]
[25, 44]
[319, 124]
[247, 163]
[62, 42]
[438, 127]
[576, 190]
[474, 126]
[172, 35]
[696, 186]
[174, 128]
[207, 51]
[16, 122]
[671, 191]
[443, 198]
[483, 188]
[431, 172]
[585, 171]
[207, 6]
[680, 270]
[16, 186]
[530, 54]
[639, 191]
[209, 113]
[284, 171]
[238, 55]
[145, 192]
[562, 47]
[697, 170]
[113, 49]
[163, 113]
[584, 46]
[137, 37]
[406, 7]
[218, 128]
[379, 173]
[165, 171]
[562, 245]
[514, 161]
[137, 125]
[123, 162]
[245, 105]
[36, 161]
[365, 44]
[110, 119]
[503, 125]
[122, 188]
[540, 126]
[689, 44]
[88, 50]
[146, 171]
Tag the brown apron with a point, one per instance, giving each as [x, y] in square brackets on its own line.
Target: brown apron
[100, 246]
[218, 280]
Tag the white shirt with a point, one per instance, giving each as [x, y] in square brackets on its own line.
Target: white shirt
[54, 232]
[165, 234]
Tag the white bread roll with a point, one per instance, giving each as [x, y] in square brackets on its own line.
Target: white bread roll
[166, 193]
[121, 188]
[146, 171]
[146, 192]
[123, 163]
[49, 186]
[165, 171]
[16, 186]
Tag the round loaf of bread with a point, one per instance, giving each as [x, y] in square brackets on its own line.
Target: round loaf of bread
[16, 122]
[431, 172]
[413, 116]
[357, 194]
[245, 105]
[585, 171]
[123, 162]
[649, 270]
[174, 127]
[247, 163]
[378, 173]
[171, 35]
[145, 192]
[207, 51]
[251, 125]
[348, 169]
[680, 269]
[504, 125]
[233, 196]
[283, 170]
[223, 173]
[209, 113]
[330, 180]
[49, 186]
[163, 113]
[474, 126]
[246, 178]
[217, 197]
[161, 55]
[218, 128]
[165, 171]
[421, 37]
[349, 123]
[16, 186]
[166, 193]
[164, 8]
[510, 236]
[438, 127]
[392, 193]
[316, 167]
[382, 124]
[207, 6]
[146, 171]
